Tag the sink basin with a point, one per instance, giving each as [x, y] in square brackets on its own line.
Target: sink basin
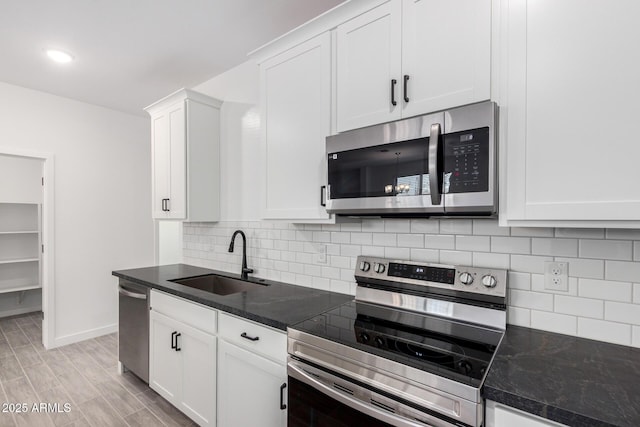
[218, 285]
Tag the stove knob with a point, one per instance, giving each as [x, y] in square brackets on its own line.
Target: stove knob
[466, 278]
[364, 266]
[379, 342]
[378, 268]
[464, 367]
[364, 337]
[489, 281]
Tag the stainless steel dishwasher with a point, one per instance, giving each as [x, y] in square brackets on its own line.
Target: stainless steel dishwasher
[133, 336]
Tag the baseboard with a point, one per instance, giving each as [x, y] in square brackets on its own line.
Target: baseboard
[21, 310]
[82, 336]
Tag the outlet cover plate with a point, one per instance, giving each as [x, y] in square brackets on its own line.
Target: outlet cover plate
[556, 277]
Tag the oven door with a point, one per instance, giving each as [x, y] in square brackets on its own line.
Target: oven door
[321, 398]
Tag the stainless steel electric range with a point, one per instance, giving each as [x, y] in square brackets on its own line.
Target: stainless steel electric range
[412, 349]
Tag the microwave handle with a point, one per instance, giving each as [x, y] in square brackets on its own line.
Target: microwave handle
[434, 173]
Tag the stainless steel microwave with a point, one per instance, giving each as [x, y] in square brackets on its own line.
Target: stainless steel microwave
[443, 163]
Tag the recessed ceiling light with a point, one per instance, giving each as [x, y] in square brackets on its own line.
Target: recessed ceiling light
[59, 56]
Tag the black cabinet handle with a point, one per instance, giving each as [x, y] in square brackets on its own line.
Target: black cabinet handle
[282, 404]
[244, 335]
[406, 92]
[168, 209]
[165, 205]
[322, 197]
[178, 348]
[393, 92]
[173, 336]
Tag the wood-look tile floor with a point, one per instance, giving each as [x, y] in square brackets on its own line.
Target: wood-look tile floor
[82, 375]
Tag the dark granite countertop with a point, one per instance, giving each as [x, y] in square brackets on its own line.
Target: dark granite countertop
[278, 305]
[571, 380]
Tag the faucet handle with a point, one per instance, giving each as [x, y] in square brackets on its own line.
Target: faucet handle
[247, 270]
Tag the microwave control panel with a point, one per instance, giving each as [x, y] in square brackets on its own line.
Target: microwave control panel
[466, 161]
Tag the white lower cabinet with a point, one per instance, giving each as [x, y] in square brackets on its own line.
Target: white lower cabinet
[252, 379]
[498, 415]
[182, 356]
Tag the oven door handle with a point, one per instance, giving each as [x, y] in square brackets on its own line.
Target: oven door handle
[298, 373]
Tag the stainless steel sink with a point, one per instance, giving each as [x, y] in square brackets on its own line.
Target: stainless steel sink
[219, 285]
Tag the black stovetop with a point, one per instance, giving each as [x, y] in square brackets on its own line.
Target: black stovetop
[455, 350]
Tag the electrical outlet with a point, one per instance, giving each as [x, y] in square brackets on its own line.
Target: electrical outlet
[321, 256]
[556, 276]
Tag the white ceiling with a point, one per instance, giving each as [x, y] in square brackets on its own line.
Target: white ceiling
[130, 53]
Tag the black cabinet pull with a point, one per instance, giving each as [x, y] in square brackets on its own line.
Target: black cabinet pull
[393, 92]
[282, 404]
[244, 335]
[173, 336]
[406, 92]
[322, 195]
[178, 348]
[168, 209]
[165, 205]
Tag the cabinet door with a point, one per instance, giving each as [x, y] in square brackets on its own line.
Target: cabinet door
[161, 155]
[250, 389]
[446, 54]
[571, 119]
[502, 416]
[164, 362]
[178, 145]
[368, 60]
[296, 97]
[198, 352]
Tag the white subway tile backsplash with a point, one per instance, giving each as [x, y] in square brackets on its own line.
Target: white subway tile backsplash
[456, 257]
[622, 312]
[397, 226]
[532, 232]
[431, 226]
[519, 316]
[411, 240]
[473, 243]
[489, 260]
[583, 307]
[581, 233]
[597, 305]
[456, 226]
[554, 247]
[533, 300]
[617, 333]
[439, 241]
[511, 245]
[529, 263]
[489, 227]
[606, 249]
[604, 290]
[519, 281]
[385, 239]
[554, 322]
[622, 234]
[622, 271]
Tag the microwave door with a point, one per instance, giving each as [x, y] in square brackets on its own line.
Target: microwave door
[469, 160]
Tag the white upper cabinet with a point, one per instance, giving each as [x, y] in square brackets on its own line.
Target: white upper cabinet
[568, 95]
[295, 91]
[411, 57]
[185, 138]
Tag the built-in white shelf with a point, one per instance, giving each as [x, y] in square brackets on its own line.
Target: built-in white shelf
[20, 289]
[19, 260]
[20, 232]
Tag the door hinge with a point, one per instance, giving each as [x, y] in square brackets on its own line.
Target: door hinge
[42, 248]
[43, 180]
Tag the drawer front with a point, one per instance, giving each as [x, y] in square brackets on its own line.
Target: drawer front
[191, 313]
[269, 343]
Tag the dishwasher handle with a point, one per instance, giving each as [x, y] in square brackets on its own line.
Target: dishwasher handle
[128, 293]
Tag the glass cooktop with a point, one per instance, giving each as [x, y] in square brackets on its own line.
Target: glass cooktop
[455, 350]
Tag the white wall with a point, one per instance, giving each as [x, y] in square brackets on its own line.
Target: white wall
[102, 199]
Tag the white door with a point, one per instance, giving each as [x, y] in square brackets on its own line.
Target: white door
[251, 389]
[446, 54]
[161, 153]
[572, 113]
[368, 63]
[164, 361]
[198, 352]
[296, 97]
[178, 163]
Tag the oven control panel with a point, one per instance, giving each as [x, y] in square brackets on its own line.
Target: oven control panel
[488, 281]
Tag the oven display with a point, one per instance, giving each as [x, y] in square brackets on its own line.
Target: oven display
[420, 272]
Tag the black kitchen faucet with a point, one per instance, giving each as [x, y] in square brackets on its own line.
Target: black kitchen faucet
[245, 269]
